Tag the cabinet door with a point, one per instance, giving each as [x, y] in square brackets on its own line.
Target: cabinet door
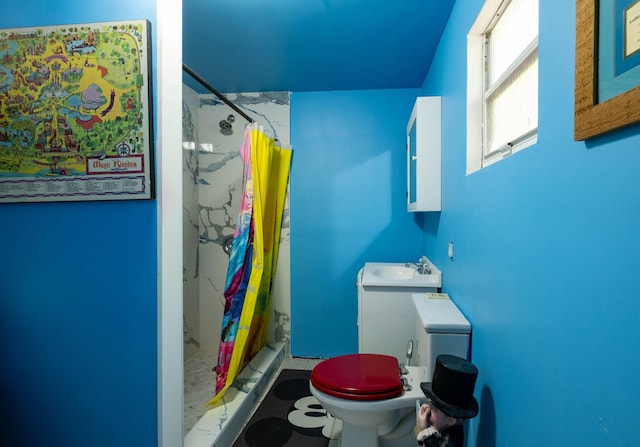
[423, 155]
[412, 158]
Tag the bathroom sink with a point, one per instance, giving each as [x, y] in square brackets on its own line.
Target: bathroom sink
[392, 274]
[397, 272]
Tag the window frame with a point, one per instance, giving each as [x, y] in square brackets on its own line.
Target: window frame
[478, 91]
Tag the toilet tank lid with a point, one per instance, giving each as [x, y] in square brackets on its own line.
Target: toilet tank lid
[438, 314]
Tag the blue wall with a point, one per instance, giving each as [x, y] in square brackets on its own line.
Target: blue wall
[78, 302]
[547, 244]
[348, 206]
[547, 258]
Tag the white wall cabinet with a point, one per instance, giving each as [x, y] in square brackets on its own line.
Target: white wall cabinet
[423, 155]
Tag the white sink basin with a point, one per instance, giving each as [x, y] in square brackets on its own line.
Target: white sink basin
[392, 274]
[397, 272]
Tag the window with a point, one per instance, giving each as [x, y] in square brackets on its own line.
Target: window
[502, 81]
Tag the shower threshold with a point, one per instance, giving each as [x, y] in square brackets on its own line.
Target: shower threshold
[221, 423]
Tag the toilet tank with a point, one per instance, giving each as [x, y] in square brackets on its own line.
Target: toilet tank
[440, 329]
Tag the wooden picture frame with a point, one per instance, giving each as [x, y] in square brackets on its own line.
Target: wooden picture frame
[593, 118]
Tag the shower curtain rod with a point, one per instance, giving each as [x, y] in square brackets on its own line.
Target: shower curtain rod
[204, 83]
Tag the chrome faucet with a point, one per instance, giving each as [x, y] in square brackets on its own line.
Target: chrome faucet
[423, 266]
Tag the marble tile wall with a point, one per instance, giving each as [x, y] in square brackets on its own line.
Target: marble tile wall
[190, 235]
[212, 187]
[216, 177]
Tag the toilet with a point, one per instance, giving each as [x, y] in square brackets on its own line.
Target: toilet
[373, 395]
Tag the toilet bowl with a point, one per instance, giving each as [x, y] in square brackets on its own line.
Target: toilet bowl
[368, 393]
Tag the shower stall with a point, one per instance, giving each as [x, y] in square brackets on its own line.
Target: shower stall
[212, 187]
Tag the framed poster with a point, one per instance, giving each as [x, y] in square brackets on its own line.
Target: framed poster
[75, 113]
[607, 78]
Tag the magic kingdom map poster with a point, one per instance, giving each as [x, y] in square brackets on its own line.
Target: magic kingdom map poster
[75, 113]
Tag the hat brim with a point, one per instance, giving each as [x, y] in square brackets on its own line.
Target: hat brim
[448, 409]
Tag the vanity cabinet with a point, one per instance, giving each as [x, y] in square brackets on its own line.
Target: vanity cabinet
[423, 155]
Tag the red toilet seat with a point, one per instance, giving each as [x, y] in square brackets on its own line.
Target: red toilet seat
[358, 377]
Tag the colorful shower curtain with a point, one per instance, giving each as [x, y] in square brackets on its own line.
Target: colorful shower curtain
[252, 262]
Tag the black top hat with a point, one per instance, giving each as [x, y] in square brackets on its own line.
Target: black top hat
[451, 389]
